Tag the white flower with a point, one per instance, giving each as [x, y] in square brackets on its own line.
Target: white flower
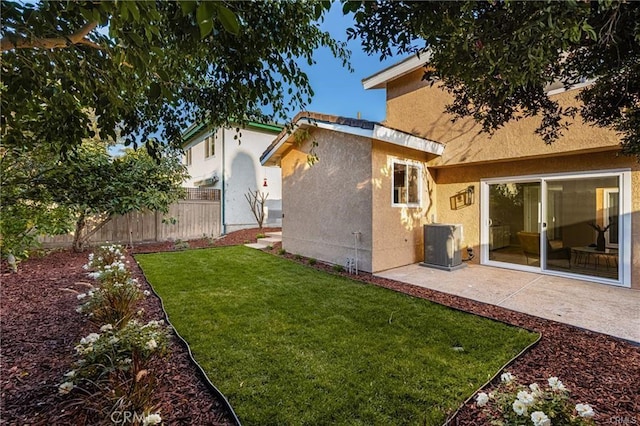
[585, 410]
[482, 399]
[152, 344]
[519, 408]
[526, 398]
[556, 384]
[152, 419]
[81, 296]
[146, 293]
[85, 266]
[91, 257]
[90, 338]
[113, 340]
[79, 309]
[70, 374]
[540, 419]
[507, 377]
[94, 275]
[535, 389]
[106, 327]
[65, 388]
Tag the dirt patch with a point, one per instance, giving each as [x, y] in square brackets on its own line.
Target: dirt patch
[40, 328]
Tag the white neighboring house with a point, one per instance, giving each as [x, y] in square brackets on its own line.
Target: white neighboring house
[229, 160]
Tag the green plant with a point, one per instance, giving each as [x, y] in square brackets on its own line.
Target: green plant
[515, 404]
[260, 236]
[282, 252]
[312, 261]
[269, 247]
[297, 257]
[104, 255]
[181, 245]
[210, 239]
[338, 268]
[114, 299]
[112, 373]
[111, 303]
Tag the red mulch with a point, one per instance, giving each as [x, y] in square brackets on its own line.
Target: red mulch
[40, 328]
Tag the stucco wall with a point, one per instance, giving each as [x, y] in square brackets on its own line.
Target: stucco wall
[450, 180]
[416, 107]
[203, 168]
[324, 203]
[240, 172]
[243, 172]
[397, 230]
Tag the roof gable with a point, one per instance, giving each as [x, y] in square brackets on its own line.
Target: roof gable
[352, 126]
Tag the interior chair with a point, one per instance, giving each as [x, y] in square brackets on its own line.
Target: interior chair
[530, 244]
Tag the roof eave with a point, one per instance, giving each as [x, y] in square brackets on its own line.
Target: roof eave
[380, 79]
[378, 132]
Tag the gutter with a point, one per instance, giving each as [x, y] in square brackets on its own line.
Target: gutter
[269, 127]
[223, 204]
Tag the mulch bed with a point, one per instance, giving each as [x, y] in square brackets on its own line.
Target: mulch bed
[40, 328]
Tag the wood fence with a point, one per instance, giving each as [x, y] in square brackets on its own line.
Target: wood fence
[186, 219]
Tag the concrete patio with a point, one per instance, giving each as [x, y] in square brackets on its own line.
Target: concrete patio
[597, 307]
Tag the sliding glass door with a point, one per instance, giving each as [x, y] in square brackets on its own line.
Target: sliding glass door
[583, 223]
[514, 210]
[562, 224]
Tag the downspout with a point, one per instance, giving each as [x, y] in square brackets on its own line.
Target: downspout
[223, 204]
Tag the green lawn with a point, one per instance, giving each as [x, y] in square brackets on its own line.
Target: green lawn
[291, 345]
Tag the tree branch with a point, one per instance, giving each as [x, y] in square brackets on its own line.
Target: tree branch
[96, 228]
[52, 43]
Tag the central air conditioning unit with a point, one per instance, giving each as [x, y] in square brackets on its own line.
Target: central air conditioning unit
[442, 246]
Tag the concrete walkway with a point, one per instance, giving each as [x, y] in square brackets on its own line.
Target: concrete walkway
[269, 239]
[597, 307]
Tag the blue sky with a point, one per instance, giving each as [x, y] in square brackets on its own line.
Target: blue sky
[338, 91]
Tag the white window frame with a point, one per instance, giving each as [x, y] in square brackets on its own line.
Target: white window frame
[188, 157]
[407, 164]
[210, 146]
[545, 179]
[607, 206]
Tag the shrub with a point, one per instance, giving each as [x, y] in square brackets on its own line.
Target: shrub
[312, 261]
[282, 252]
[112, 372]
[515, 404]
[338, 268]
[298, 257]
[181, 245]
[105, 255]
[112, 302]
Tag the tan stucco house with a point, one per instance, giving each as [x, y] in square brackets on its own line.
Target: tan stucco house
[521, 204]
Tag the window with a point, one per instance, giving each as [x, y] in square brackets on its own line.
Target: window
[209, 146]
[187, 157]
[406, 183]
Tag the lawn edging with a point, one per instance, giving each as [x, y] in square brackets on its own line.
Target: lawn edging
[192, 273]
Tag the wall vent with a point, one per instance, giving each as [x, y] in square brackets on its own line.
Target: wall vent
[442, 246]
